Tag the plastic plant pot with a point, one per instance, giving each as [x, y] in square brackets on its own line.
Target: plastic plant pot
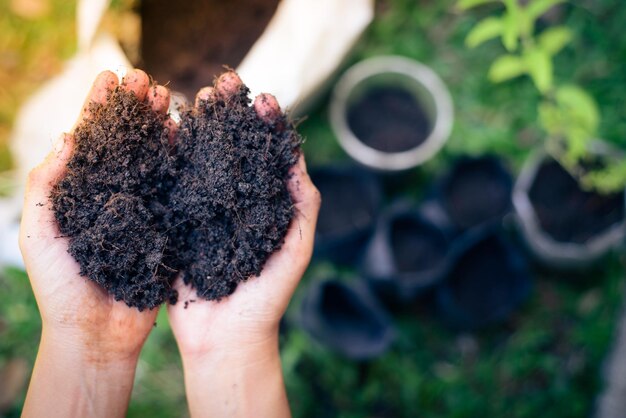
[347, 318]
[487, 282]
[476, 191]
[407, 255]
[351, 199]
[391, 113]
[564, 227]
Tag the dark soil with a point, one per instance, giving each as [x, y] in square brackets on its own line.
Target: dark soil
[416, 246]
[136, 212]
[346, 205]
[477, 191]
[389, 119]
[188, 42]
[568, 213]
[231, 206]
[111, 202]
[482, 281]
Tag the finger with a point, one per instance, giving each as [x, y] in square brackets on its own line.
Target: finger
[102, 87]
[159, 99]
[228, 84]
[305, 196]
[137, 82]
[267, 108]
[172, 130]
[294, 256]
[205, 94]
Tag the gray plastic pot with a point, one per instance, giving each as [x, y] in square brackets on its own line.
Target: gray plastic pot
[347, 318]
[392, 71]
[407, 255]
[548, 251]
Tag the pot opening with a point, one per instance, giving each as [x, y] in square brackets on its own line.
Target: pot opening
[347, 315]
[568, 213]
[478, 191]
[483, 281]
[391, 113]
[416, 246]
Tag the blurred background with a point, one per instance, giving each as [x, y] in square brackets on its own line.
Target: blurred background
[463, 266]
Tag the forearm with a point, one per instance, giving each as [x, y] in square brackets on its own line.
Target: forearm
[70, 380]
[242, 382]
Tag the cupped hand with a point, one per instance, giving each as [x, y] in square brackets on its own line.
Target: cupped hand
[74, 309]
[250, 316]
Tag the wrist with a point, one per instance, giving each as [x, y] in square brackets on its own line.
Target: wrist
[228, 354]
[234, 343]
[239, 381]
[90, 351]
[70, 380]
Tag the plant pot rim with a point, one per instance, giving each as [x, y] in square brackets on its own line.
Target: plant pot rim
[546, 248]
[312, 322]
[420, 74]
[380, 253]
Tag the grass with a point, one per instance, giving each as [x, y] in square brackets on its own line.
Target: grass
[546, 358]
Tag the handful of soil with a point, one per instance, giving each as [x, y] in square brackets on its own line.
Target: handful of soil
[231, 202]
[112, 201]
[138, 211]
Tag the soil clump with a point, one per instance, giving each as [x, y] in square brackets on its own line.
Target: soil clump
[111, 203]
[416, 247]
[389, 119]
[138, 210]
[568, 213]
[231, 206]
[189, 42]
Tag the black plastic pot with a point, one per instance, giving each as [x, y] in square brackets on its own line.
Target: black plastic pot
[351, 199]
[476, 191]
[487, 282]
[565, 227]
[407, 254]
[347, 318]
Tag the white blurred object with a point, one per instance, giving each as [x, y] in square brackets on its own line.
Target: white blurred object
[53, 110]
[304, 43]
[9, 230]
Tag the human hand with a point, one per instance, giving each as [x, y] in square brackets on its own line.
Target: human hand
[83, 327]
[220, 340]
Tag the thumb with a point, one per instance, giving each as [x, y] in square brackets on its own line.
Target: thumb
[37, 216]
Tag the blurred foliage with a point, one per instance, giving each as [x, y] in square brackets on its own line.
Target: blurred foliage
[36, 36]
[547, 358]
[567, 113]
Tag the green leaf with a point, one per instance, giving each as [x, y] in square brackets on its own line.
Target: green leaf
[580, 105]
[506, 67]
[537, 8]
[468, 4]
[549, 118]
[489, 28]
[554, 39]
[611, 179]
[511, 29]
[539, 67]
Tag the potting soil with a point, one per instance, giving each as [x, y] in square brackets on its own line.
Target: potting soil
[138, 210]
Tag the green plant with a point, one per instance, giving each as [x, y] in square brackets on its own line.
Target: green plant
[567, 113]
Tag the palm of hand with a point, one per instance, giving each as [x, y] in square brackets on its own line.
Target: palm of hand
[251, 315]
[71, 304]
